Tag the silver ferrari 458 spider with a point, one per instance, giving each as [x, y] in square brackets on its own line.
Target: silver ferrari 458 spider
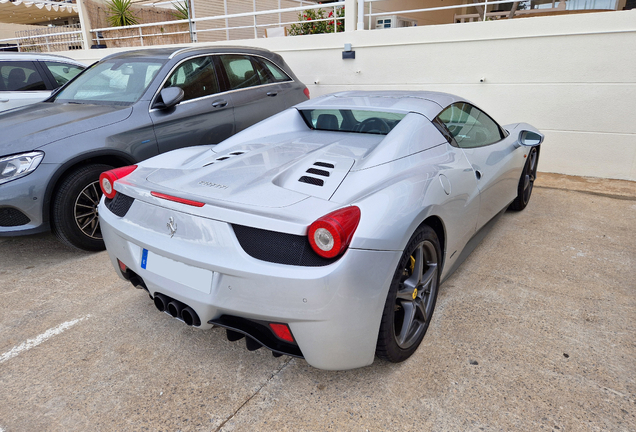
[324, 231]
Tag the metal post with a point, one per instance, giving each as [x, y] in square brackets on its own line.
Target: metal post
[335, 20]
[188, 9]
[255, 30]
[46, 41]
[141, 37]
[227, 21]
[485, 9]
[370, 12]
[360, 15]
[193, 15]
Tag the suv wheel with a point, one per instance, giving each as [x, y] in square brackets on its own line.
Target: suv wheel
[74, 211]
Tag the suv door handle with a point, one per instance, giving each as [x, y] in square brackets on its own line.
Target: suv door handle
[272, 93]
[4, 100]
[219, 104]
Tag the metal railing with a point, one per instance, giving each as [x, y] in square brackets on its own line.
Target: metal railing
[478, 5]
[482, 9]
[46, 39]
[255, 25]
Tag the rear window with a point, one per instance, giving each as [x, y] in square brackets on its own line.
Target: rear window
[360, 121]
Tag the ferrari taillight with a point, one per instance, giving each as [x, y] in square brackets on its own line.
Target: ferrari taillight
[107, 179]
[330, 235]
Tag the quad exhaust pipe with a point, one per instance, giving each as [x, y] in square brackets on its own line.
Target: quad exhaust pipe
[176, 309]
[163, 303]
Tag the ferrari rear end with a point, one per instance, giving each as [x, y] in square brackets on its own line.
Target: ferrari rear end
[284, 277]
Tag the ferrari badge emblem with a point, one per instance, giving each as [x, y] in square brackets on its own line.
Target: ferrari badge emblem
[172, 226]
[414, 293]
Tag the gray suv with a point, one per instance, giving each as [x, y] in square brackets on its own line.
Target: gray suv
[123, 109]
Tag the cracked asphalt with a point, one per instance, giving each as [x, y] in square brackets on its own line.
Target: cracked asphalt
[535, 331]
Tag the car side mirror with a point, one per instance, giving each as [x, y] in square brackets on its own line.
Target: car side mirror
[529, 138]
[170, 97]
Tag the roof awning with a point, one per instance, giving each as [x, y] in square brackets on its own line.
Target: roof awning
[34, 11]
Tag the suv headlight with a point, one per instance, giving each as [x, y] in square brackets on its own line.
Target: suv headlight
[16, 166]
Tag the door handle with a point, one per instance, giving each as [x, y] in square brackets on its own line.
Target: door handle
[4, 100]
[272, 94]
[219, 104]
[478, 174]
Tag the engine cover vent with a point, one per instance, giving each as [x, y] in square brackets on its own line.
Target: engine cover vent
[311, 180]
[318, 172]
[324, 164]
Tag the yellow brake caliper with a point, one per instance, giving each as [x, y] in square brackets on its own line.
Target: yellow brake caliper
[412, 268]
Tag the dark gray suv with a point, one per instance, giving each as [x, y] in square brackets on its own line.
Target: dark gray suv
[123, 109]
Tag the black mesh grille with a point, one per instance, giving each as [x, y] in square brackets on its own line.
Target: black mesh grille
[324, 164]
[311, 180]
[281, 248]
[10, 217]
[119, 205]
[318, 172]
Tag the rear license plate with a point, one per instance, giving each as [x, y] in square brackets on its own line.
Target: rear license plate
[193, 277]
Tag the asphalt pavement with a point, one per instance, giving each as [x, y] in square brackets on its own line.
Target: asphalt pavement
[535, 331]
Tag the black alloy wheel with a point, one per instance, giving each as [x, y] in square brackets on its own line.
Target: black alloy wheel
[411, 300]
[526, 182]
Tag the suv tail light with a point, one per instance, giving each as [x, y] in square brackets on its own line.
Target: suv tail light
[107, 179]
[330, 235]
[306, 91]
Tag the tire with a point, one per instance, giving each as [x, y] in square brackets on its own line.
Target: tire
[74, 210]
[412, 295]
[526, 182]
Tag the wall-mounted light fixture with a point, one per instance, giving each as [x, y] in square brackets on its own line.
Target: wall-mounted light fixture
[348, 53]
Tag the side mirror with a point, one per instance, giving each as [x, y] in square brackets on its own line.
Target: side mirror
[170, 97]
[529, 138]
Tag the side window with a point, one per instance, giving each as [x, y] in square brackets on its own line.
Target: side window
[20, 76]
[277, 74]
[470, 126]
[242, 72]
[62, 72]
[196, 77]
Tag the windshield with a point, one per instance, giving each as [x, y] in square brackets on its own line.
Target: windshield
[117, 81]
[344, 120]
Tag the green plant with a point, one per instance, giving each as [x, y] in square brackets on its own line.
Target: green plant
[119, 13]
[181, 10]
[312, 25]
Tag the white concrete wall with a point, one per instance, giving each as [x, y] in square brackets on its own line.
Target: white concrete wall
[571, 76]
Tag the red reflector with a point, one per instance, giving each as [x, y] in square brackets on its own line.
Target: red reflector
[107, 179]
[306, 91]
[122, 266]
[282, 331]
[177, 199]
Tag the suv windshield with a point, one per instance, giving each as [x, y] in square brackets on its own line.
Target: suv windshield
[344, 120]
[116, 81]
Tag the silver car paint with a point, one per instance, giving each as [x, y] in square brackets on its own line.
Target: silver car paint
[397, 181]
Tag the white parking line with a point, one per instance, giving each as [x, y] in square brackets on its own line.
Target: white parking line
[31, 343]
